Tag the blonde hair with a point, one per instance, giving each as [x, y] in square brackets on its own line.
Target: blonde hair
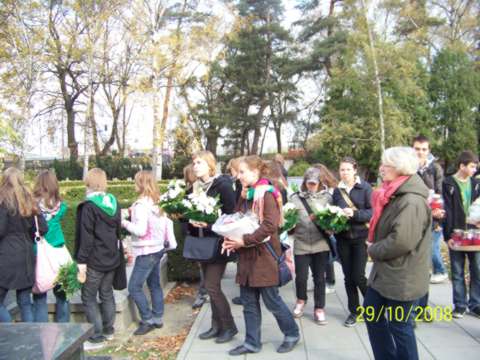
[188, 175]
[209, 159]
[15, 196]
[96, 180]
[147, 185]
[402, 158]
[46, 188]
[233, 164]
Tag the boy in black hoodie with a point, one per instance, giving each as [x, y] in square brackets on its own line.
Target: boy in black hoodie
[459, 192]
[98, 254]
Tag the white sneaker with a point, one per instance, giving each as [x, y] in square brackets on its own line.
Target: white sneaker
[109, 337]
[330, 289]
[90, 346]
[438, 278]
[319, 317]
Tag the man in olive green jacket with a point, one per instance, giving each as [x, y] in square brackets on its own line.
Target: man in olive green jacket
[401, 250]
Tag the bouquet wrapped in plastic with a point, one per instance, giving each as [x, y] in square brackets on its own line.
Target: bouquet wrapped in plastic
[332, 218]
[201, 207]
[171, 200]
[474, 213]
[290, 216]
[234, 226]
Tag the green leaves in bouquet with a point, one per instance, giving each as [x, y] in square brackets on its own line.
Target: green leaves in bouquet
[291, 220]
[331, 222]
[173, 207]
[67, 279]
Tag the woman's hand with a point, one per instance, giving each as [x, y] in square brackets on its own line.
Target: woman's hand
[312, 217]
[198, 224]
[230, 244]
[348, 212]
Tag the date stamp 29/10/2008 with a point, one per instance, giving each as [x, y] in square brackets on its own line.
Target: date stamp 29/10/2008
[402, 314]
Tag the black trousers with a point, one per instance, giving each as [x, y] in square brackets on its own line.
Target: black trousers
[353, 257]
[318, 264]
[221, 314]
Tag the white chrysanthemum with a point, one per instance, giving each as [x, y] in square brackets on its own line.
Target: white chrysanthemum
[289, 206]
[187, 204]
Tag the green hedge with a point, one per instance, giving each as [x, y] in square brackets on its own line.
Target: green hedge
[298, 169]
[121, 192]
[179, 269]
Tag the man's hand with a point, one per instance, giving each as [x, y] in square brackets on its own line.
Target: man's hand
[451, 243]
[438, 213]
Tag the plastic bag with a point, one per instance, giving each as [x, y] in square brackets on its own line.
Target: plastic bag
[474, 213]
[234, 226]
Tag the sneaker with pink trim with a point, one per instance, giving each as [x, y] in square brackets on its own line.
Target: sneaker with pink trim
[319, 317]
[298, 309]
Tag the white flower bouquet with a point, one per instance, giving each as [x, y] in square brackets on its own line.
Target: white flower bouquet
[290, 216]
[201, 207]
[171, 200]
[332, 218]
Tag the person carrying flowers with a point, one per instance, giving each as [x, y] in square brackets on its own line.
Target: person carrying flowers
[310, 245]
[258, 270]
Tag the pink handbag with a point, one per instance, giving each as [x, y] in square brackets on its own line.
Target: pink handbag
[48, 262]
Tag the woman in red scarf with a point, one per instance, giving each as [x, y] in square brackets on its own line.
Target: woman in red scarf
[399, 244]
[257, 271]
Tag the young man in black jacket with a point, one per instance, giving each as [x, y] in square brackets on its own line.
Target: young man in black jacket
[459, 192]
[432, 175]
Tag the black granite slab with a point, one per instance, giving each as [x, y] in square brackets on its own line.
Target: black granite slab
[25, 341]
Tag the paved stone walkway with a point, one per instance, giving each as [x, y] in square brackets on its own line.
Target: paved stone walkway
[457, 339]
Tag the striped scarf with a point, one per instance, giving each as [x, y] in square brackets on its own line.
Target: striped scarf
[257, 193]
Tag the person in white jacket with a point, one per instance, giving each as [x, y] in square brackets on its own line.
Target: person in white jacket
[152, 234]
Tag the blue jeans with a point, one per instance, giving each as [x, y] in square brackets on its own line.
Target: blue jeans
[62, 307]
[392, 338]
[253, 315]
[147, 269]
[457, 262]
[437, 261]
[23, 301]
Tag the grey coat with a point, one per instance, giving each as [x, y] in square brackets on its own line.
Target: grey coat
[401, 251]
[308, 239]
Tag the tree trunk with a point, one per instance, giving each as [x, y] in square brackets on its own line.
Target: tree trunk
[258, 128]
[157, 144]
[93, 125]
[377, 80]
[72, 143]
[212, 142]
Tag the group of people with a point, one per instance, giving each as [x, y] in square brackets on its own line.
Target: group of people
[99, 252]
[393, 225]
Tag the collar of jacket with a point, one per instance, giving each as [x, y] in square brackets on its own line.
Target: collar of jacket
[310, 195]
[342, 184]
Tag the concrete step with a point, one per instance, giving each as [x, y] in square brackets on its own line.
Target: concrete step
[125, 307]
